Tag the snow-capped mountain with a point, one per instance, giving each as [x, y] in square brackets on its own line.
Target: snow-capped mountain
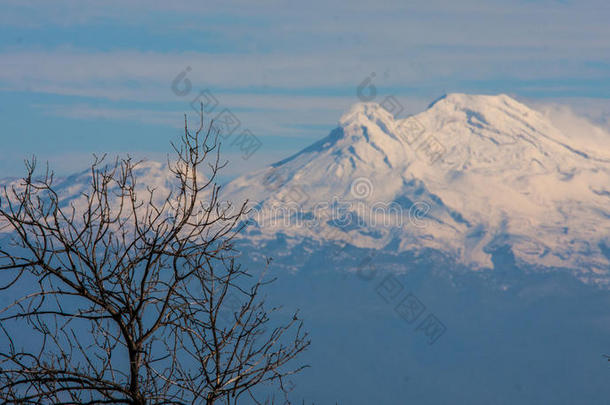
[71, 189]
[469, 175]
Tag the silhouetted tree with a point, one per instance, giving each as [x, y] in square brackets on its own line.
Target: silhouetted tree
[123, 295]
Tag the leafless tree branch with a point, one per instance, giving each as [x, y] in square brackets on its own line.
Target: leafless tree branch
[127, 291]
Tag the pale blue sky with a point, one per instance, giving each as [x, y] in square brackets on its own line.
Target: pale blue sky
[85, 76]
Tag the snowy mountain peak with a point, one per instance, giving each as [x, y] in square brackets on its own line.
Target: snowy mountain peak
[486, 111]
[483, 173]
[471, 127]
[365, 113]
[457, 132]
[492, 172]
[470, 101]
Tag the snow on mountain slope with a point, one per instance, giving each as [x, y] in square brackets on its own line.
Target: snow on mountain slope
[73, 190]
[469, 175]
[70, 189]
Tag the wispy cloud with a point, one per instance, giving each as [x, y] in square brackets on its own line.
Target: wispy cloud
[287, 72]
[585, 121]
[135, 75]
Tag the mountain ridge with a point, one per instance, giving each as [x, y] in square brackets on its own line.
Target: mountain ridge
[506, 176]
[469, 176]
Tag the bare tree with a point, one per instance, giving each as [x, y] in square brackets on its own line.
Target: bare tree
[124, 294]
